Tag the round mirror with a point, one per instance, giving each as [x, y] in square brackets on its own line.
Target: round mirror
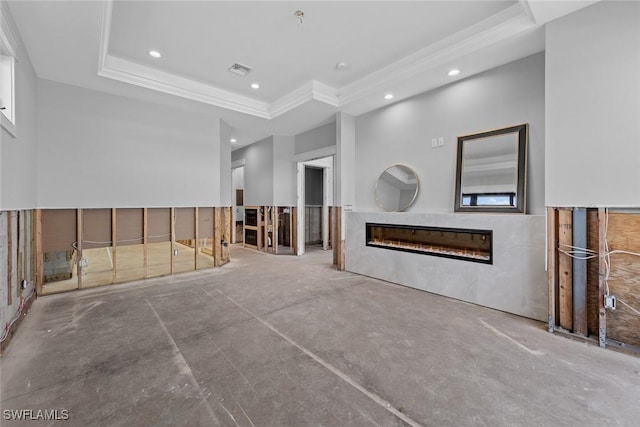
[397, 188]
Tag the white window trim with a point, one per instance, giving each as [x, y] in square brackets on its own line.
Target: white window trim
[8, 47]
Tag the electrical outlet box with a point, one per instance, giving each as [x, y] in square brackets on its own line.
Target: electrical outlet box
[175, 252]
[610, 302]
[440, 141]
[434, 142]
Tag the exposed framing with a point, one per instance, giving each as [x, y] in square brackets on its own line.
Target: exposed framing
[9, 258]
[220, 228]
[602, 311]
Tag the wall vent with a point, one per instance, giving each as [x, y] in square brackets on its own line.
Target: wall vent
[239, 69]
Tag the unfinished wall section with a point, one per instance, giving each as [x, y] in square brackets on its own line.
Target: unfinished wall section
[593, 166]
[17, 270]
[594, 275]
[85, 248]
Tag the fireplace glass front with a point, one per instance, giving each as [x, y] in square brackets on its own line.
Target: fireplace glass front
[465, 244]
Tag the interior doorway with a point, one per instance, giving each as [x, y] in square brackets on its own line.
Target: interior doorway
[315, 198]
[237, 194]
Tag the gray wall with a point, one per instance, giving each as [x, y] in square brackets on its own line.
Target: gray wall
[258, 172]
[593, 107]
[17, 154]
[101, 150]
[402, 132]
[314, 139]
[284, 171]
[270, 165]
[224, 164]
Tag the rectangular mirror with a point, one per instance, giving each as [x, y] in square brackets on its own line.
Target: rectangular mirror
[491, 171]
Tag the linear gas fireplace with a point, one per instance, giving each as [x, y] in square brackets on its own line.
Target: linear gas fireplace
[459, 243]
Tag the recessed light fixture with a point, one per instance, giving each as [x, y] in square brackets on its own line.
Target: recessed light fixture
[155, 54]
[233, 140]
[453, 72]
[342, 66]
[255, 86]
[388, 96]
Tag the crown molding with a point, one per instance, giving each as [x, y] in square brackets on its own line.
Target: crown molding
[293, 99]
[501, 26]
[325, 93]
[8, 37]
[130, 72]
[105, 33]
[494, 29]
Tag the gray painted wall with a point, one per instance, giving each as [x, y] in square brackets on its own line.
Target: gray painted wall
[270, 167]
[224, 164]
[402, 132]
[17, 154]
[593, 107]
[314, 139]
[101, 150]
[258, 172]
[284, 171]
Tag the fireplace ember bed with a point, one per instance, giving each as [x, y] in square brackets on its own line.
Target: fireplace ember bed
[459, 243]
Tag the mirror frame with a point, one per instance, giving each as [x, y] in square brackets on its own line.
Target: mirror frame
[521, 187]
[415, 195]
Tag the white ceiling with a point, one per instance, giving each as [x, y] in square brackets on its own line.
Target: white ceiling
[395, 47]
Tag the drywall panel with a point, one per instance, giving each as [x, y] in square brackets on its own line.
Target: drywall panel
[346, 159]
[101, 150]
[258, 173]
[224, 159]
[284, 171]
[238, 178]
[593, 106]
[18, 153]
[401, 133]
[314, 139]
[516, 282]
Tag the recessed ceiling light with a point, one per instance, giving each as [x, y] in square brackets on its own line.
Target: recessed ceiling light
[233, 140]
[388, 96]
[155, 54]
[255, 86]
[453, 72]
[342, 66]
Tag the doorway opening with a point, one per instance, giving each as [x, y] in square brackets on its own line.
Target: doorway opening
[237, 182]
[315, 199]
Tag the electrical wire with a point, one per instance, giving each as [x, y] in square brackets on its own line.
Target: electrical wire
[5, 332]
[632, 309]
[607, 260]
[576, 252]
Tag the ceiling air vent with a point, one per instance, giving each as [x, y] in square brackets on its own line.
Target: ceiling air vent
[239, 69]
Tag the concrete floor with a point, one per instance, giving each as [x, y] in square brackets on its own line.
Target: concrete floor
[288, 341]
